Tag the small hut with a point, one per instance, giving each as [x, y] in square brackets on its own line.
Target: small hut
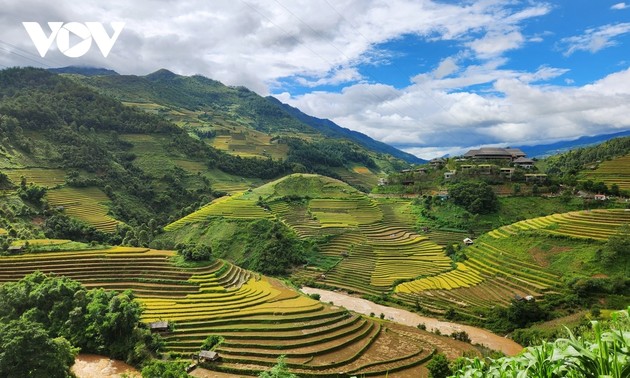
[161, 326]
[468, 241]
[208, 356]
[15, 249]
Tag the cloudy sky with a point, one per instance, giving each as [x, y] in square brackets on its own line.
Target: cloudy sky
[430, 77]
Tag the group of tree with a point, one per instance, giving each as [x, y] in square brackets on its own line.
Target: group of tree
[475, 196]
[195, 252]
[272, 248]
[46, 320]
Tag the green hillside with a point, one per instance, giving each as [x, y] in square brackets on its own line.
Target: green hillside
[241, 123]
[106, 162]
[370, 246]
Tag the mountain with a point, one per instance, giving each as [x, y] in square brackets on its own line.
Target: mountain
[83, 70]
[545, 150]
[220, 102]
[330, 128]
[112, 149]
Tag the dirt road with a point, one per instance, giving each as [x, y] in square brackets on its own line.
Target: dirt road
[477, 335]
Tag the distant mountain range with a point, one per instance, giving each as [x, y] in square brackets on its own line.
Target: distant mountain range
[544, 150]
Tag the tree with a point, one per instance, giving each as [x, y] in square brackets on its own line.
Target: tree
[475, 196]
[26, 350]
[97, 321]
[521, 313]
[516, 189]
[165, 369]
[280, 370]
[195, 252]
[438, 366]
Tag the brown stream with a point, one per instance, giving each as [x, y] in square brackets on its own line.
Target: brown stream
[95, 366]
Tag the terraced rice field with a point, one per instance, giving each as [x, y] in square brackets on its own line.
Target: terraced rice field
[230, 187]
[346, 212]
[234, 207]
[376, 248]
[585, 224]
[489, 277]
[298, 217]
[48, 178]
[259, 318]
[616, 171]
[87, 204]
[493, 276]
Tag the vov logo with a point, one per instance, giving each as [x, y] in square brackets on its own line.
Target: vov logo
[61, 32]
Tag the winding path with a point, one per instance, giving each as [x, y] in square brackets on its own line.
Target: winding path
[363, 306]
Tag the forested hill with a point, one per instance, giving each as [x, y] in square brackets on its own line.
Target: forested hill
[575, 160]
[220, 102]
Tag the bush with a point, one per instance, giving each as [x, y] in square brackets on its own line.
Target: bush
[315, 296]
[195, 252]
[212, 342]
[461, 336]
[438, 366]
[165, 369]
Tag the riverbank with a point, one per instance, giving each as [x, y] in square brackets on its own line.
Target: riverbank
[363, 306]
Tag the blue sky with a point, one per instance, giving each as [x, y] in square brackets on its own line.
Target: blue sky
[430, 77]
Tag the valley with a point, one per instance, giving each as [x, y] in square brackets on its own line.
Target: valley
[233, 221]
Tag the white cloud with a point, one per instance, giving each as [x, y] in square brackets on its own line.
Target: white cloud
[426, 120]
[595, 39]
[258, 42]
[494, 44]
[619, 6]
[447, 66]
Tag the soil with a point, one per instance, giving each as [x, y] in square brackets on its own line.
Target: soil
[95, 366]
[542, 257]
[599, 275]
[477, 335]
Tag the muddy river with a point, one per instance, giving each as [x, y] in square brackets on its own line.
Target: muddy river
[94, 366]
[477, 335]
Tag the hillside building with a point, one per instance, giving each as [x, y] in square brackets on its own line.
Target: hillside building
[449, 174]
[524, 162]
[491, 153]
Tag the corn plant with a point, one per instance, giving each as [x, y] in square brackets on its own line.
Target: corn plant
[606, 354]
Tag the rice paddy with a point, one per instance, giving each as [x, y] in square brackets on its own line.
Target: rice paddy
[585, 224]
[49, 178]
[616, 171]
[86, 204]
[259, 318]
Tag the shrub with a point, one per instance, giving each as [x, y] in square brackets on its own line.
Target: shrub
[438, 366]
